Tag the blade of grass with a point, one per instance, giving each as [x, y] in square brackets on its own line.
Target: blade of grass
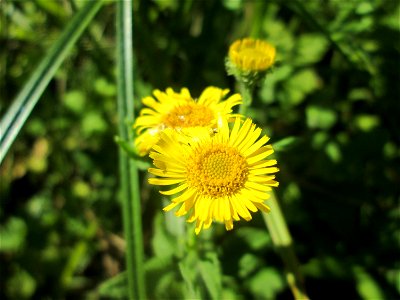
[132, 219]
[26, 100]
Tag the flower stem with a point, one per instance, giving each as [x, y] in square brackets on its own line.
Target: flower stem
[132, 218]
[276, 223]
[247, 94]
[283, 242]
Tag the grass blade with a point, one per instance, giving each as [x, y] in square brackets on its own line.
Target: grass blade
[128, 172]
[26, 100]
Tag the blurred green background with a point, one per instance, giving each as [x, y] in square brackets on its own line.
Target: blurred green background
[336, 91]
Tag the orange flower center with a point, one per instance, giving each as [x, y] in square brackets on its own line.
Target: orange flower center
[189, 115]
[216, 171]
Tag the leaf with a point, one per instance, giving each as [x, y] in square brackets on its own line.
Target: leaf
[320, 117]
[12, 235]
[141, 162]
[92, 123]
[285, 143]
[26, 100]
[255, 238]
[266, 284]
[74, 101]
[300, 84]
[310, 48]
[189, 275]
[249, 263]
[210, 272]
[115, 287]
[366, 286]
[21, 285]
[162, 243]
[367, 122]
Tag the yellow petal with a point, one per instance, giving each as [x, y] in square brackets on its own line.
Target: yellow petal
[175, 190]
[163, 181]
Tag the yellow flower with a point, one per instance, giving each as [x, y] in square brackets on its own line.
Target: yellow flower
[181, 112]
[220, 177]
[252, 54]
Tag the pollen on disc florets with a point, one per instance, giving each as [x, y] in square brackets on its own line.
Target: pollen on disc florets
[189, 115]
[216, 171]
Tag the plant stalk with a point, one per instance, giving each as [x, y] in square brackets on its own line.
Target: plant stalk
[283, 242]
[131, 206]
[277, 226]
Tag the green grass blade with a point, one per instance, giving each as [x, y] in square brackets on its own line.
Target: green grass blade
[128, 172]
[26, 100]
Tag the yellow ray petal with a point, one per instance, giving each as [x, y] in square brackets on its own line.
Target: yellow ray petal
[263, 164]
[229, 224]
[262, 207]
[163, 173]
[185, 196]
[185, 207]
[170, 206]
[234, 131]
[257, 145]
[241, 208]
[257, 186]
[264, 171]
[175, 190]
[162, 181]
[260, 154]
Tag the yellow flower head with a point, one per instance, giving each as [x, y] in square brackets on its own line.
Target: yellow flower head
[219, 177]
[252, 55]
[181, 112]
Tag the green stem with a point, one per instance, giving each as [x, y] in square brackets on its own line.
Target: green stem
[246, 93]
[283, 242]
[132, 218]
[276, 224]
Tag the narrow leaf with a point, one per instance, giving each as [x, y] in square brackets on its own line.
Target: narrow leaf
[26, 100]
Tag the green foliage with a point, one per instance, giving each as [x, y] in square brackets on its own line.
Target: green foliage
[331, 109]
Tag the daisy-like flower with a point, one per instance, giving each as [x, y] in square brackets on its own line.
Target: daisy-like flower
[252, 55]
[219, 177]
[181, 112]
[249, 60]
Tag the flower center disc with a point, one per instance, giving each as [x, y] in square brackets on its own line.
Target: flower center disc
[216, 171]
[189, 115]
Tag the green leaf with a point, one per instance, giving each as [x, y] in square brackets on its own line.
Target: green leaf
[210, 272]
[300, 84]
[74, 101]
[366, 286]
[21, 285]
[266, 284]
[320, 117]
[142, 162]
[189, 275]
[162, 242]
[310, 48]
[105, 88]
[93, 123]
[367, 122]
[12, 235]
[285, 143]
[26, 100]
[333, 151]
[114, 288]
[255, 238]
[248, 264]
